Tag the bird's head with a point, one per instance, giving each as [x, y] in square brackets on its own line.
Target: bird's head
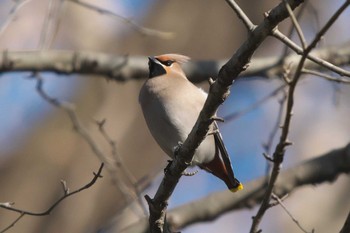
[166, 64]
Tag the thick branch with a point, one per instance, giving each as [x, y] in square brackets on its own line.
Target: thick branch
[121, 68]
[323, 168]
[219, 91]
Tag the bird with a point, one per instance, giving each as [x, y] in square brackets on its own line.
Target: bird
[171, 105]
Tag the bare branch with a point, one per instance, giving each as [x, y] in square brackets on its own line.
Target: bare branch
[235, 115]
[69, 109]
[128, 193]
[296, 25]
[18, 5]
[219, 91]
[121, 68]
[291, 29]
[268, 145]
[325, 76]
[280, 36]
[13, 223]
[54, 205]
[278, 155]
[118, 159]
[206, 209]
[142, 30]
[241, 15]
[51, 24]
[279, 201]
[120, 164]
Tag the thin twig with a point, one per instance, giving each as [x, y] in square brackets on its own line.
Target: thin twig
[296, 25]
[278, 155]
[291, 29]
[118, 159]
[235, 115]
[279, 201]
[46, 25]
[218, 92]
[119, 163]
[268, 145]
[142, 30]
[272, 204]
[296, 48]
[50, 24]
[128, 193]
[308, 173]
[70, 110]
[18, 5]
[241, 15]
[13, 223]
[54, 205]
[325, 76]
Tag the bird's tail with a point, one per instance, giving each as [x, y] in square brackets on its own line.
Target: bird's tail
[221, 166]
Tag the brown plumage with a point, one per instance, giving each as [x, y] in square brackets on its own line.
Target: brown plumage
[171, 105]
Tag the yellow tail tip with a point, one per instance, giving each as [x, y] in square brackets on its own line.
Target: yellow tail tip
[239, 187]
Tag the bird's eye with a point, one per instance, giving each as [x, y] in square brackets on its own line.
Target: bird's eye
[168, 62]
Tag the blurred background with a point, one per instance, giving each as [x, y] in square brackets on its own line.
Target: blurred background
[38, 146]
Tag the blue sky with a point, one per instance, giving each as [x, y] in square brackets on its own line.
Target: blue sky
[22, 108]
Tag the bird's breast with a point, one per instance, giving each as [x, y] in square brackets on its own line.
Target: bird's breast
[171, 110]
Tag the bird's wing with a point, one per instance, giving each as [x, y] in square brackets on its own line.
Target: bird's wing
[225, 157]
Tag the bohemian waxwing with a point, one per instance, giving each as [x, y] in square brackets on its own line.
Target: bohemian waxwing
[171, 105]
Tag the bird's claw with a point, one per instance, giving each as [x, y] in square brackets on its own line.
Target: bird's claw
[186, 173]
[216, 118]
[215, 131]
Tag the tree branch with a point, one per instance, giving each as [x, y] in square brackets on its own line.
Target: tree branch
[321, 62]
[219, 91]
[279, 202]
[66, 194]
[279, 153]
[110, 162]
[320, 169]
[140, 29]
[296, 25]
[122, 68]
[241, 15]
[12, 14]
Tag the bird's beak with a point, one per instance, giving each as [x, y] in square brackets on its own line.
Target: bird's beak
[152, 60]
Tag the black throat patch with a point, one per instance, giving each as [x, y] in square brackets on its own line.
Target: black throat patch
[155, 69]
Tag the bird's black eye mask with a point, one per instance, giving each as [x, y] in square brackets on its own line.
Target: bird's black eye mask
[167, 63]
[155, 68]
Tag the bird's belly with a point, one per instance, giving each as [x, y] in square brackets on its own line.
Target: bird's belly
[169, 128]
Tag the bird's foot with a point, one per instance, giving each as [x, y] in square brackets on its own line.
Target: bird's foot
[216, 118]
[186, 173]
[211, 81]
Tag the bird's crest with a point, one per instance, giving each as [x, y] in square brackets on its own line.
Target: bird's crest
[173, 57]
